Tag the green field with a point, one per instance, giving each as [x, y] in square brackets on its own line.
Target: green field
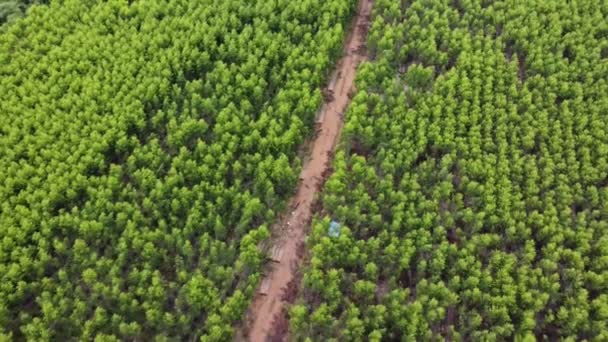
[145, 148]
[472, 180]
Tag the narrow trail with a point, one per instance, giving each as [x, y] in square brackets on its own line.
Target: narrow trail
[272, 296]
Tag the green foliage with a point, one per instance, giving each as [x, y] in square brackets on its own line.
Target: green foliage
[13, 9]
[9, 11]
[473, 174]
[419, 77]
[145, 147]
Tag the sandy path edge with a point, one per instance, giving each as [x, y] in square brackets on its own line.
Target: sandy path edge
[294, 225]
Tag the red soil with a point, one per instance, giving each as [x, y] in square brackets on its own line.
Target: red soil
[267, 319]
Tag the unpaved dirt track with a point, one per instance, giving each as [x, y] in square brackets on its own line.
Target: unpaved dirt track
[266, 309]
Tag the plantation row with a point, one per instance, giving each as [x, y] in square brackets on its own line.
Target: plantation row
[145, 148]
[472, 179]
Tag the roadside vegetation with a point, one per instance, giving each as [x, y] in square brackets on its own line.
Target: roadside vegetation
[472, 179]
[145, 148]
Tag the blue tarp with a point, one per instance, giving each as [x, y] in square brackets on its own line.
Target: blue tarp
[334, 229]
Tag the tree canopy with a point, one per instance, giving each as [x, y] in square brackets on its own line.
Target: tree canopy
[145, 147]
[471, 179]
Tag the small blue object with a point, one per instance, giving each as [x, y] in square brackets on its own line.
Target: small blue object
[334, 229]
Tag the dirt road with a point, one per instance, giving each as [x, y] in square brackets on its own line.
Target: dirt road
[268, 306]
